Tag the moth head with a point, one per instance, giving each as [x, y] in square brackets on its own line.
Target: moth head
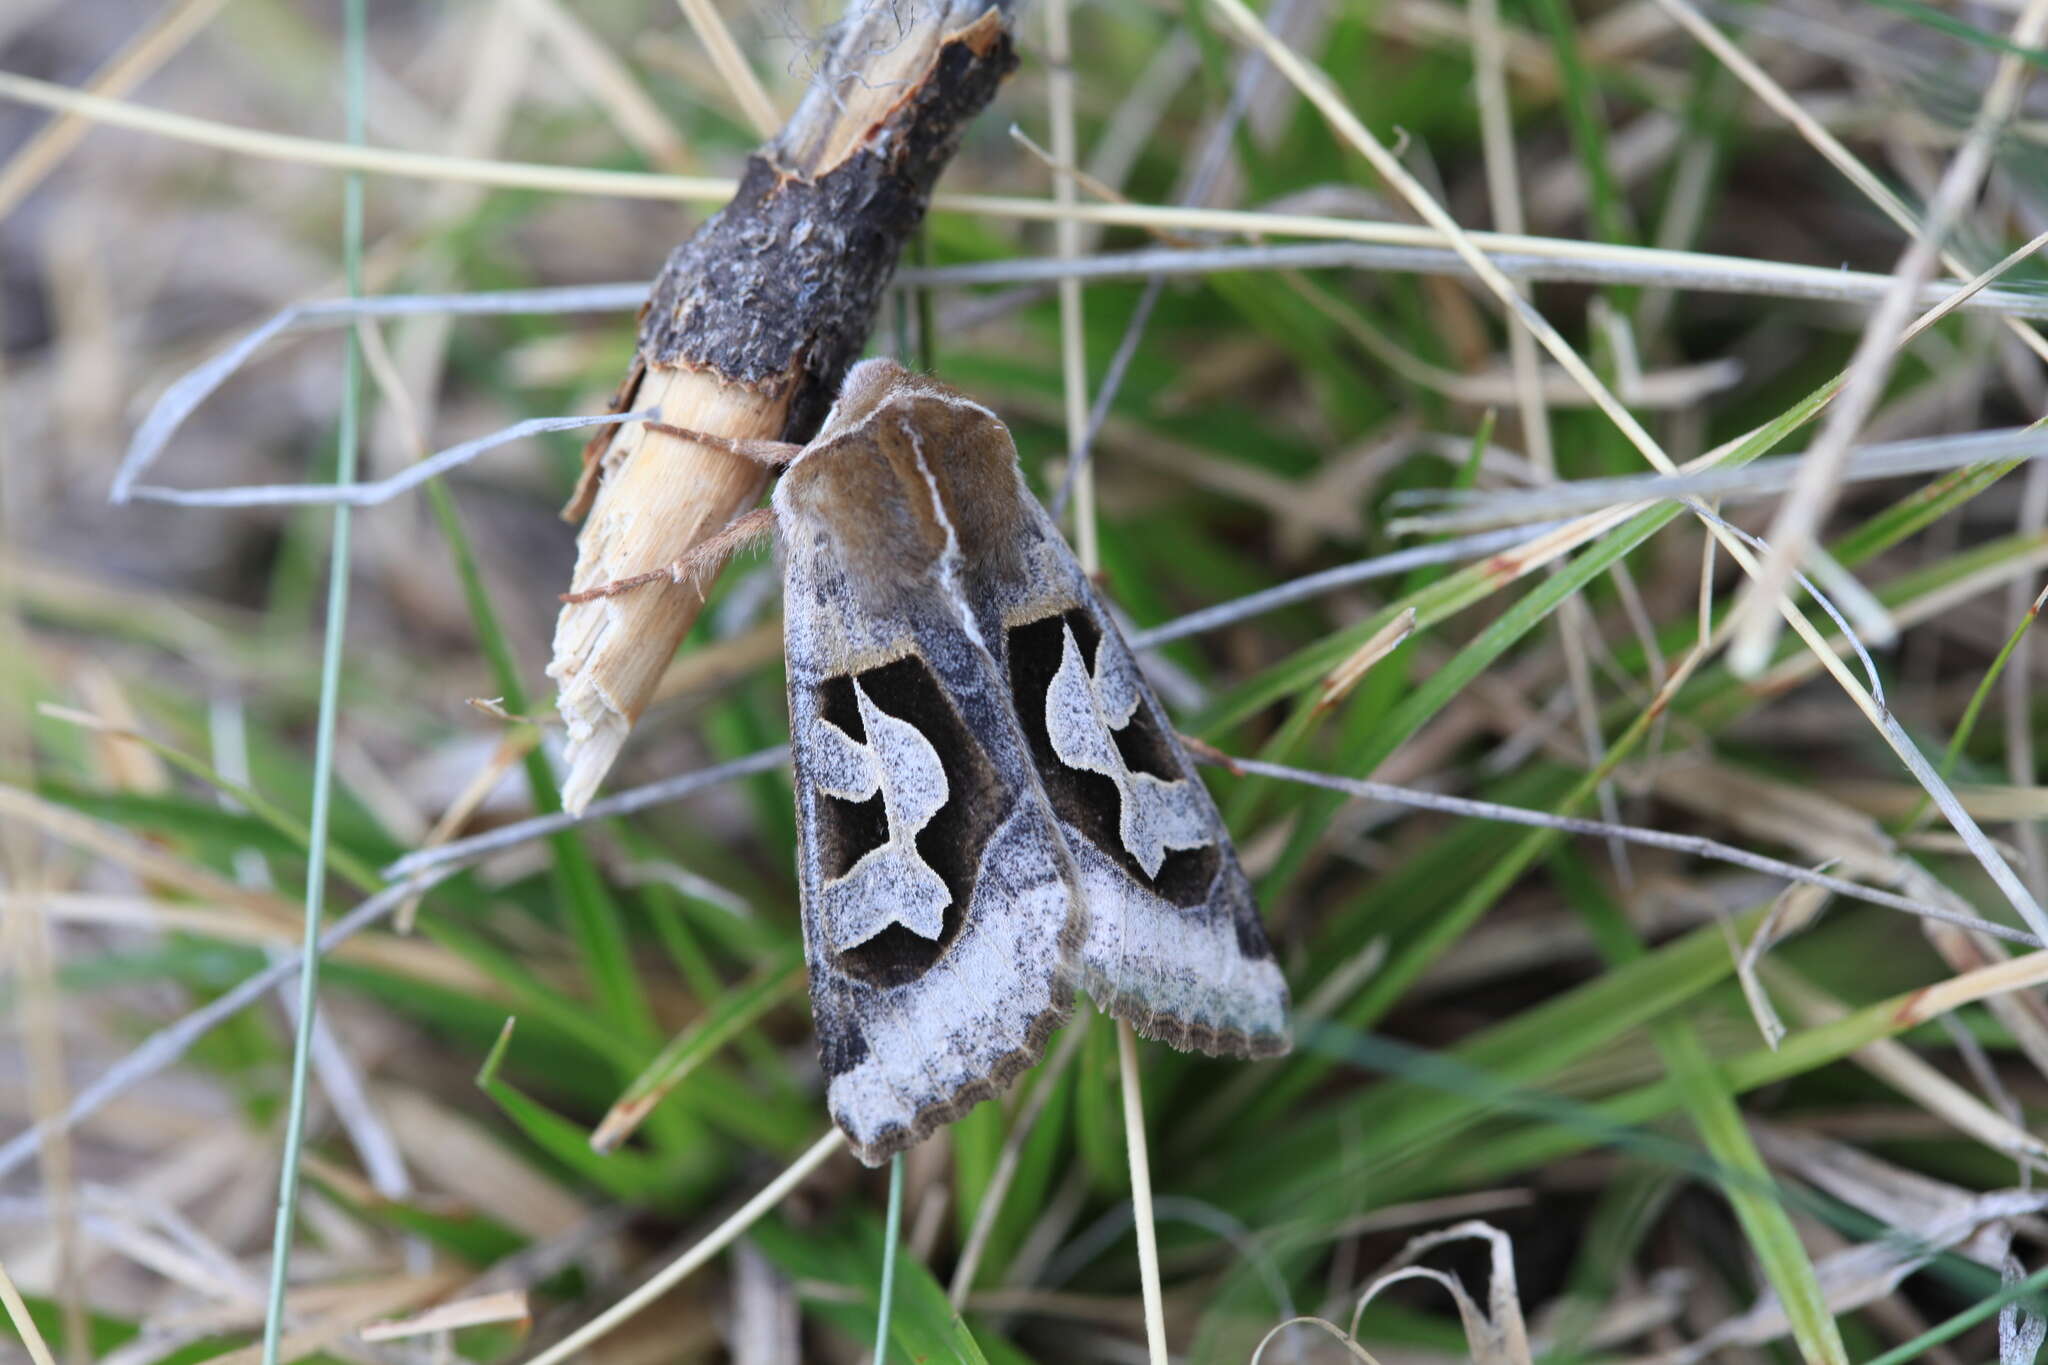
[866, 387]
[903, 468]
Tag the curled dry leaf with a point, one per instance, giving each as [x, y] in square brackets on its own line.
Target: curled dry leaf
[1496, 1334]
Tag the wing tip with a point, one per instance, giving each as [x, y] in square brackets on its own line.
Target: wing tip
[928, 1119]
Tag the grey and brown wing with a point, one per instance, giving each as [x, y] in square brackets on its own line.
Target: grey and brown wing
[1175, 945]
[940, 914]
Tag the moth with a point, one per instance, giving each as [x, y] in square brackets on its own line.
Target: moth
[992, 808]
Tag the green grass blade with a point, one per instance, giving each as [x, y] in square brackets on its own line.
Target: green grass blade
[841, 1270]
[354, 59]
[1747, 1182]
[595, 920]
[625, 1175]
[724, 1019]
[892, 1230]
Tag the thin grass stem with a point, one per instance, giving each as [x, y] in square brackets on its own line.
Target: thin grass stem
[354, 59]
[1692, 845]
[892, 1232]
[1141, 1191]
[1920, 1347]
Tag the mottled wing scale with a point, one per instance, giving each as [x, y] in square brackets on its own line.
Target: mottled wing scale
[992, 808]
[1174, 943]
[939, 920]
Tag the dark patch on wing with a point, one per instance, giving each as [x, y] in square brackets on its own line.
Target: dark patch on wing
[1251, 935]
[841, 1044]
[1185, 875]
[847, 830]
[951, 843]
[1088, 801]
[837, 704]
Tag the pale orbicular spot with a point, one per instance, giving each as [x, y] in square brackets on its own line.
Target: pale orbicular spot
[1083, 712]
[891, 883]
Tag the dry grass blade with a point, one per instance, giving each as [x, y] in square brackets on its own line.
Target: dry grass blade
[1402, 245]
[1650, 838]
[372, 160]
[148, 50]
[24, 1325]
[167, 1045]
[1900, 1067]
[1794, 909]
[740, 80]
[1340, 680]
[1495, 1335]
[507, 1305]
[713, 1242]
[1316, 87]
[1825, 142]
[1792, 533]
[1338, 1334]
[610, 83]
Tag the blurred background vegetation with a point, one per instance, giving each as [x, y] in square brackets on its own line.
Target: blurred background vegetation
[1498, 1023]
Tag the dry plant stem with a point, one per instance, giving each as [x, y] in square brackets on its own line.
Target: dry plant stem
[1689, 844]
[1387, 245]
[732, 65]
[1798, 520]
[24, 1325]
[1532, 257]
[1504, 193]
[1141, 1192]
[134, 63]
[713, 1242]
[1059, 85]
[746, 334]
[1074, 388]
[315, 151]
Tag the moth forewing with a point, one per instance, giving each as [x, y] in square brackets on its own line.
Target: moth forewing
[1175, 945]
[992, 807]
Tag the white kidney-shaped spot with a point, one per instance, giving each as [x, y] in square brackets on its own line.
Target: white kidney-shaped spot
[891, 884]
[1082, 713]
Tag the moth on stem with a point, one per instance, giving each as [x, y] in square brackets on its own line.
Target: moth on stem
[745, 337]
[992, 808]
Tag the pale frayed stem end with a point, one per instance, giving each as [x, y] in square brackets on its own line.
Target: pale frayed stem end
[1141, 1191]
[590, 755]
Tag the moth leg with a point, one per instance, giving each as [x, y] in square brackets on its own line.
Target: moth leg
[771, 453]
[704, 560]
